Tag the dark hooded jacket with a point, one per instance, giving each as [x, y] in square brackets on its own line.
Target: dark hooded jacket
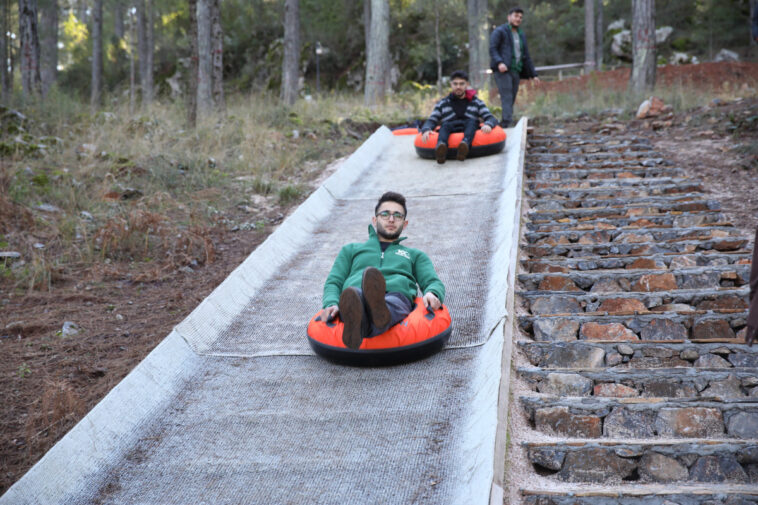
[501, 51]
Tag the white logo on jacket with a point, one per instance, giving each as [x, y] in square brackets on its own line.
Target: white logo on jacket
[403, 253]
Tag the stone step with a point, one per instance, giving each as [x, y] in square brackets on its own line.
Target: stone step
[670, 260]
[558, 139]
[579, 152]
[689, 219]
[693, 301]
[643, 494]
[634, 235]
[655, 326]
[631, 209]
[590, 202]
[615, 191]
[636, 293]
[576, 174]
[646, 154]
[646, 278]
[615, 462]
[538, 146]
[641, 249]
[702, 383]
[634, 182]
[642, 355]
[636, 418]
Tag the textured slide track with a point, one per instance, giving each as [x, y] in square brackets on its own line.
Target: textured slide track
[233, 406]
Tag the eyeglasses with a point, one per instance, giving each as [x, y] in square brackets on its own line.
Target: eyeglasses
[385, 214]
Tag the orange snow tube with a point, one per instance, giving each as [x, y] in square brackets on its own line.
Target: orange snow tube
[405, 131]
[484, 144]
[419, 335]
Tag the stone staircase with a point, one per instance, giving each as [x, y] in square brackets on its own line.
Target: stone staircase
[633, 383]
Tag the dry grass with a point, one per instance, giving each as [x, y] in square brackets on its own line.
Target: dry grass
[52, 414]
[145, 188]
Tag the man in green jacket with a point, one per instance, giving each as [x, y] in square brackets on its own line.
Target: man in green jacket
[372, 284]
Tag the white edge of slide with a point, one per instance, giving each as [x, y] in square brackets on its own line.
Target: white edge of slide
[483, 456]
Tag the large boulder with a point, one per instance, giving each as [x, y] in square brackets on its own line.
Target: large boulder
[727, 55]
[621, 43]
[680, 58]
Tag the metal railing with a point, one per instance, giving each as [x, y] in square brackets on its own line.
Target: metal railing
[559, 68]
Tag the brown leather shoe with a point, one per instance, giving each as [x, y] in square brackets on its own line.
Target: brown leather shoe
[352, 315]
[374, 288]
[440, 153]
[462, 151]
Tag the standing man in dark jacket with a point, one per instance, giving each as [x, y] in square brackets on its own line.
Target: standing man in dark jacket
[372, 284]
[459, 111]
[510, 61]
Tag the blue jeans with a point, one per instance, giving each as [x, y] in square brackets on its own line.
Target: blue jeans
[467, 126]
[399, 306]
[507, 86]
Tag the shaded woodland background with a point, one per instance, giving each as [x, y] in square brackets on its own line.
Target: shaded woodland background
[252, 36]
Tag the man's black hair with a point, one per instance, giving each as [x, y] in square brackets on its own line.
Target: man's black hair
[516, 9]
[459, 74]
[391, 196]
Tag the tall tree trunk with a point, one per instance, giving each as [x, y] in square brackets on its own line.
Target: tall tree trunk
[291, 60]
[81, 11]
[643, 46]
[132, 64]
[139, 6]
[48, 35]
[119, 27]
[378, 53]
[217, 56]
[204, 58]
[97, 53]
[13, 53]
[599, 35]
[437, 48]
[4, 46]
[147, 78]
[192, 71]
[31, 83]
[478, 41]
[367, 23]
[589, 35]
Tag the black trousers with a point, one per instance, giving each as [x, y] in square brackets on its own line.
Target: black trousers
[467, 126]
[507, 86]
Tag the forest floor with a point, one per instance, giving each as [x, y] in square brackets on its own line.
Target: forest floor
[49, 382]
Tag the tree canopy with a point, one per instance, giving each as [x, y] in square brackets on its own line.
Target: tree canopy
[253, 38]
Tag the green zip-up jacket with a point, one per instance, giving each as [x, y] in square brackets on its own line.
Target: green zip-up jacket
[403, 269]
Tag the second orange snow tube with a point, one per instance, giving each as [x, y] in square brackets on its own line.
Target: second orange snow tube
[484, 144]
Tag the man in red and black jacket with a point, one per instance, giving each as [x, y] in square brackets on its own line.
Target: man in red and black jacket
[510, 61]
[460, 111]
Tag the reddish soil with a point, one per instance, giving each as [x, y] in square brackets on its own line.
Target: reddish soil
[714, 77]
[50, 382]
